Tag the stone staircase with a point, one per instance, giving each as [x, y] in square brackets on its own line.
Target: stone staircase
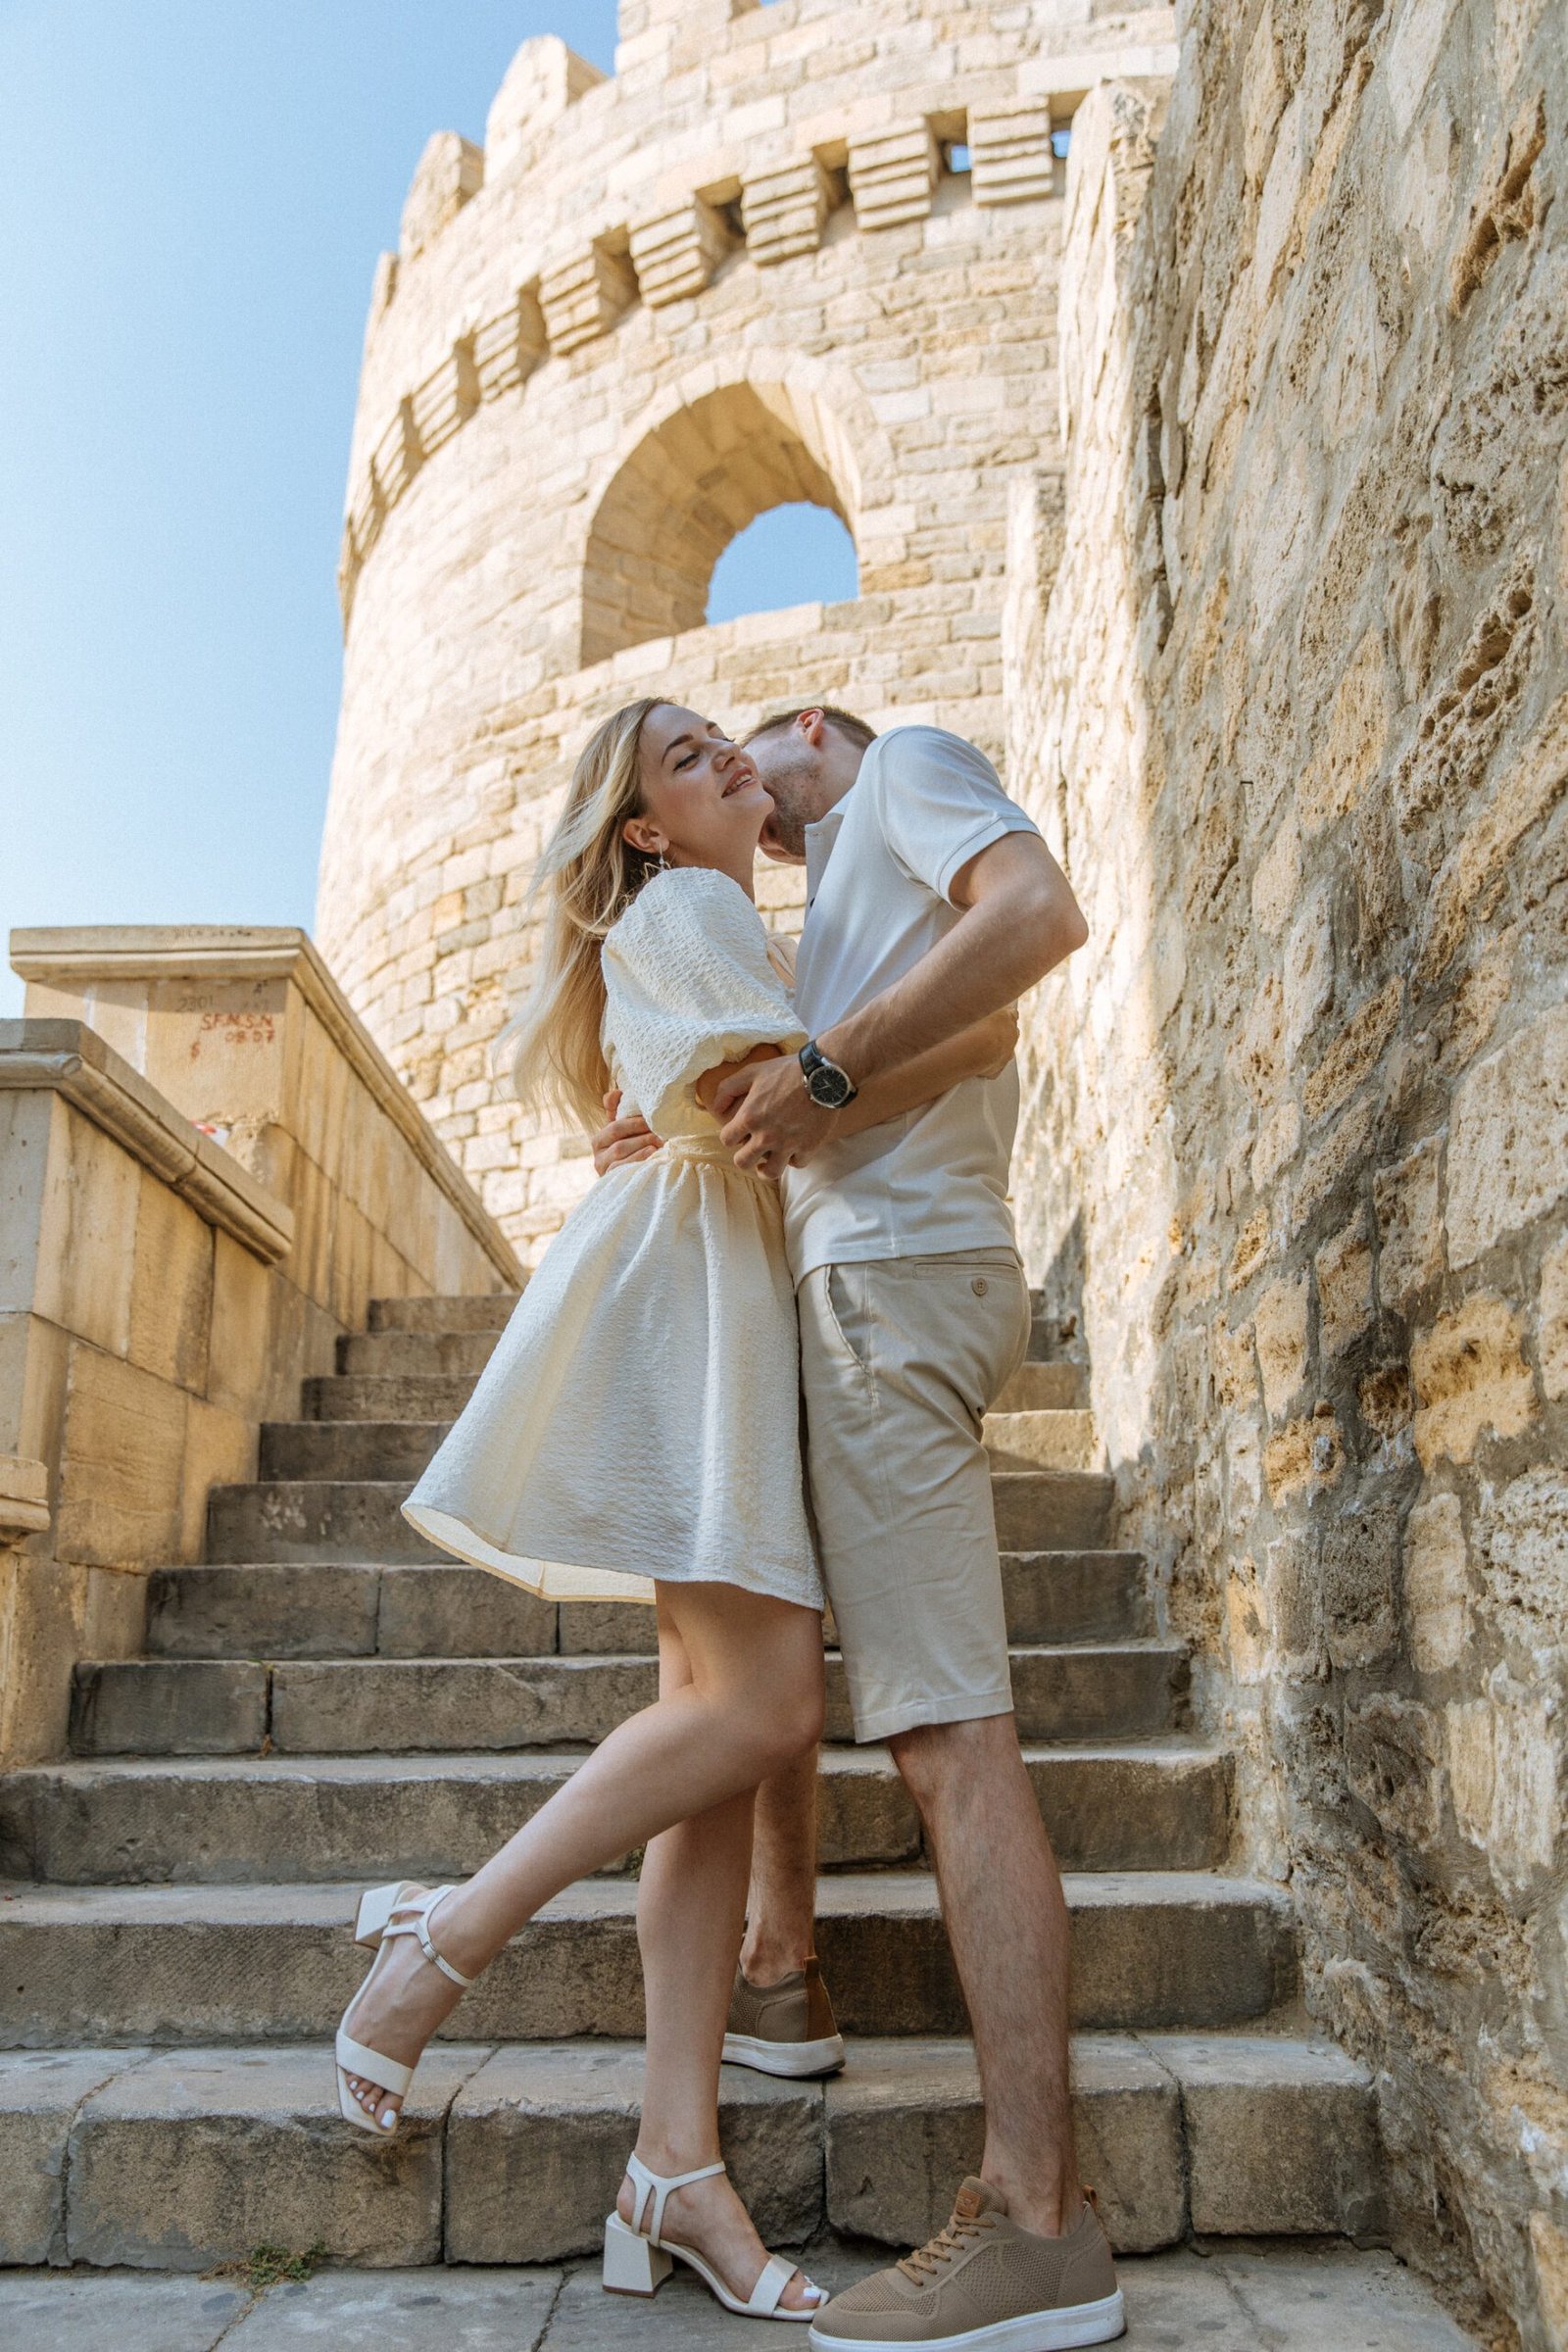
[326, 1702]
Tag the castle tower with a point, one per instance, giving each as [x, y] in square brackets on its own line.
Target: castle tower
[794, 251]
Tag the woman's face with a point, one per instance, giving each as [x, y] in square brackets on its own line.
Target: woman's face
[703, 800]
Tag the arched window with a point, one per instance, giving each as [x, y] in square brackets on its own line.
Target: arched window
[688, 489]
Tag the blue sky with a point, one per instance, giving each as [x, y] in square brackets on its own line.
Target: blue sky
[198, 190]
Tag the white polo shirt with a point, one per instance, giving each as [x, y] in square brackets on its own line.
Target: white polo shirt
[878, 871]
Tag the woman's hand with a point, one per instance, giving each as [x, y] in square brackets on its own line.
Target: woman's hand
[623, 1140]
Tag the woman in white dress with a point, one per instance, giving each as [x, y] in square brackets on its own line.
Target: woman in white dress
[636, 1436]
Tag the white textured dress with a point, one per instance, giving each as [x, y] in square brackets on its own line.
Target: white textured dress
[640, 1416]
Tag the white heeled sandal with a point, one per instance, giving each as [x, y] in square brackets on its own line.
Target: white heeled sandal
[638, 2260]
[385, 1912]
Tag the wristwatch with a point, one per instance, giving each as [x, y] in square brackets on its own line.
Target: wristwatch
[825, 1082]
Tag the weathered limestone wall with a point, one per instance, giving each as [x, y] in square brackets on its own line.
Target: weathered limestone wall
[742, 272]
[1297, 1154]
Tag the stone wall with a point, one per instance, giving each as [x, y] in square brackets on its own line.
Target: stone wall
[1296, 1165]
[742, 272]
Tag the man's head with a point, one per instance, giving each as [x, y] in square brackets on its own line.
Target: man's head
[807, 760]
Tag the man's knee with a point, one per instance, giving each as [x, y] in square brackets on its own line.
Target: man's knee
[939, 1760]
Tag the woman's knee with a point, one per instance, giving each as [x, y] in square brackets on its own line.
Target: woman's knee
[785, 1713]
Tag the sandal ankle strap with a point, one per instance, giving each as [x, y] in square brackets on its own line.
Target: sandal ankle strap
[418, 1924]
[661, 2189]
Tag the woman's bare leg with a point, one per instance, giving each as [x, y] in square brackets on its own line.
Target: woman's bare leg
[752, 1703]
[690, 1904]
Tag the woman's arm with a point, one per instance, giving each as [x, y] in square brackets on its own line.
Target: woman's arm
[982, 1052]
[707, 1085]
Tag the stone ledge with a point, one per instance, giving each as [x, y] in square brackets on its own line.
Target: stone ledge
[24, 1497]
[74, 956]
[71, 1060]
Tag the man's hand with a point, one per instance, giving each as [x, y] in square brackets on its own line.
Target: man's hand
[769, 1121]
[623, 1140]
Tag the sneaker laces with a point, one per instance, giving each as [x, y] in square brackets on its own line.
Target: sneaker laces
[954, 2239]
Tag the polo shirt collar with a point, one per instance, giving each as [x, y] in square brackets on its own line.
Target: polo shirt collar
[819, 841]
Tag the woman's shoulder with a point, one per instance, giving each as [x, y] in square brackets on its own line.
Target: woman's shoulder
[683, 897]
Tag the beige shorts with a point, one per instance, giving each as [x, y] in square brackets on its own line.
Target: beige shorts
[899, 1358]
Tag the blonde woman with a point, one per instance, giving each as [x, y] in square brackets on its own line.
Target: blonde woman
[636, 1436]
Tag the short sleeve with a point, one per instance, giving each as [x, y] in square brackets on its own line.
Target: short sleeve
[688, 984]
[942, 802]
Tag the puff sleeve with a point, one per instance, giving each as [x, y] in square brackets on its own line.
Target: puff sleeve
[688, 983]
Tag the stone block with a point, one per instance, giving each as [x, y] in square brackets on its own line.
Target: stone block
[785, 211]
[1470, 1377]
[1502, 1767]
[268, 1612]
[195, 2157]
[676, 254]
[1344, 1268]
[448, 175]
[584, 297]
[538, 2142]
[507, 348]
[905, 2125]
[1508, 1139]
[1281, 1326]
[1407, 1198]
[1010, 156]
[172, 1287]
[70, 1232]
[1282, 2136]
[1436, 1583]
[40, 2091]
[122, 1463]
[439, 407]
[94, 2312]
[892, 176]
[158, 1707]
[544, 79]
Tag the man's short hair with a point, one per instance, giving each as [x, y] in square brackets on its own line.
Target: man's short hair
[845, 720]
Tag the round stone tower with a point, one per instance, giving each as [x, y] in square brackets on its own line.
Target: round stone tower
[794, 251]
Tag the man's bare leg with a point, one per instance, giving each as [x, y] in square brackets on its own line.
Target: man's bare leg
[781, 1906]
[1007, 1921]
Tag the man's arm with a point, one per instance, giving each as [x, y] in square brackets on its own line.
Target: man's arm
[983, 1052]
[1018, 921]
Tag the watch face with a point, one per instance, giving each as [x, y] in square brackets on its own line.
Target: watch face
[829, 1085]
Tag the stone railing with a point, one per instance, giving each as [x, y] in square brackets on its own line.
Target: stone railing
[170, 1269]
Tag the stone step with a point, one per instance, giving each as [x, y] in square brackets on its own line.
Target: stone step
[171, 1964]
[490, 1312]
[1135, 1806]
[1046, 1440]
[1044, 1389]
[182, 2160]
[366, 1706]
[386, 1397]
[321, 1609]
[423, 1351]
[430, 1348]
[360, 1519]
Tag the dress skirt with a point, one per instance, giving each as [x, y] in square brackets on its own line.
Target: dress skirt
[640, 1417]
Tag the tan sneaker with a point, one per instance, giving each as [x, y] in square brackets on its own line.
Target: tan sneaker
[784, 2028]
[984, 2285]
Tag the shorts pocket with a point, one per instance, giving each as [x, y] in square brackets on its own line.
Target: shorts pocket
[848, 1313]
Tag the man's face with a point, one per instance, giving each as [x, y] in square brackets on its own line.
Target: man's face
[790, 770]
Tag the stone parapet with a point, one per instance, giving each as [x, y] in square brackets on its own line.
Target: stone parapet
[66, 1057]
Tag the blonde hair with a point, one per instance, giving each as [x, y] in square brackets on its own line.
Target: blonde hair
[590, 873]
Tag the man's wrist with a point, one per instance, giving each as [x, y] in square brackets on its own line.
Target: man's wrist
[828, 1082]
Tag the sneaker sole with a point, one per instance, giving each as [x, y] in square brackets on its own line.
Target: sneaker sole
[795, 2061]
[1037, 2331]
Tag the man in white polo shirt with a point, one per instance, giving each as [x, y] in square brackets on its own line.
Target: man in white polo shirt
[931, 903]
